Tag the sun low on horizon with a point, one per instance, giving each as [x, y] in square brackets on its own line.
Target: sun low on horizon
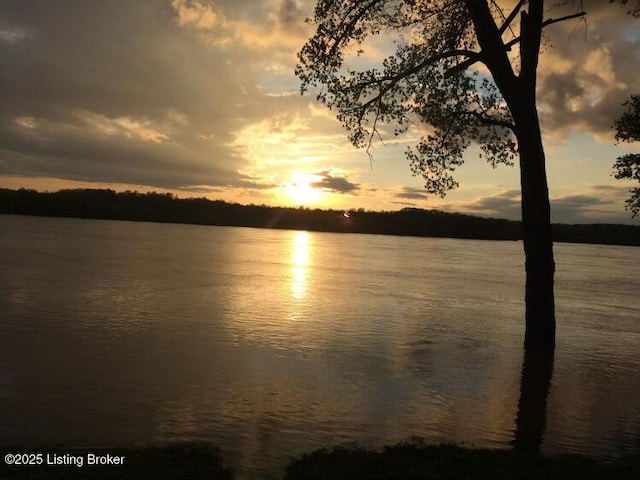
[205, 102]
[300, 189]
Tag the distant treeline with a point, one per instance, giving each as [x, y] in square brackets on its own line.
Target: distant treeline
[159, 207]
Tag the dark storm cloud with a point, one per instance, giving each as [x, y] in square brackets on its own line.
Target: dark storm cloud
[334, 184]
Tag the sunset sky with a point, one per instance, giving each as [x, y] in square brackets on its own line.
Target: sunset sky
[199, 98]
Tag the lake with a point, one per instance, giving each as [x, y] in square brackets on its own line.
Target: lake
[272, 343]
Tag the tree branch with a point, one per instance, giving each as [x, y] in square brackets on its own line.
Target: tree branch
[551, 21]
[511, 16]
[488, 120]
[509, 45]
[348, 27]
[494, 55]
[429, 61]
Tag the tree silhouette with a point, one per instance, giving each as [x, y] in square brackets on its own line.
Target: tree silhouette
[628, 130]
[535, 383]
[159, 207]
[628, 166]
[467, 71]
[634, 10]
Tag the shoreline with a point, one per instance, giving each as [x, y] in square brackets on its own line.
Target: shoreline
[411, 222]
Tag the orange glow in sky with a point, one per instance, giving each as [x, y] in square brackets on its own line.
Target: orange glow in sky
[300, 190]
[206, 104]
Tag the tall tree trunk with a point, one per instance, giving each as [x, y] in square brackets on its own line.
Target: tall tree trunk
[519, 93]
[540, 320]
[536, 225]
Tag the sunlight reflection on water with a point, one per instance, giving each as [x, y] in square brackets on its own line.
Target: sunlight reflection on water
[299, 264]
[273, 343]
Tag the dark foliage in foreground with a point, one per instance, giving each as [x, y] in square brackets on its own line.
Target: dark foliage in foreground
[189, 461]
[157, 207]
[448, 462]
[407, 461]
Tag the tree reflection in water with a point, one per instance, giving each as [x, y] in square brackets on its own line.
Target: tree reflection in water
[537, 369]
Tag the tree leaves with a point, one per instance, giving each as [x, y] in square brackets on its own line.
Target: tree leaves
[628, 125]
[628, 166]
[419, 84]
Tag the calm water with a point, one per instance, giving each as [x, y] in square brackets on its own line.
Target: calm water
[274, 343]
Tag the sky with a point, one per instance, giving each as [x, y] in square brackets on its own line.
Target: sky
[199, 98]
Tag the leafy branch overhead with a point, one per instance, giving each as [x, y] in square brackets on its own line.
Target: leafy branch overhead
[634, 11]
[437, 76]
[628, 166]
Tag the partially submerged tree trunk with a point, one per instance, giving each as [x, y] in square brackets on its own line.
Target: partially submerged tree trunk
[519, 93]
[538, 247]
[540, 319]
[429, 78]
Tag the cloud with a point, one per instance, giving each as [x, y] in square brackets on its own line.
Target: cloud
[138, 100]
[12, 35]
[405, 204]
[595, 204]
[504, 204]
[601, 203]
[412, 193]
[588, 71]
[334, 184]
[199, 15]
[125, 126]
[265, 25]
[200, 95]
[290, 13]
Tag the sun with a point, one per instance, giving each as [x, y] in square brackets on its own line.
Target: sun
[300, 190]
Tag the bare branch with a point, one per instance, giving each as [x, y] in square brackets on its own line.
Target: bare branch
[551, 21]
[509, 45]
[512, 16]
